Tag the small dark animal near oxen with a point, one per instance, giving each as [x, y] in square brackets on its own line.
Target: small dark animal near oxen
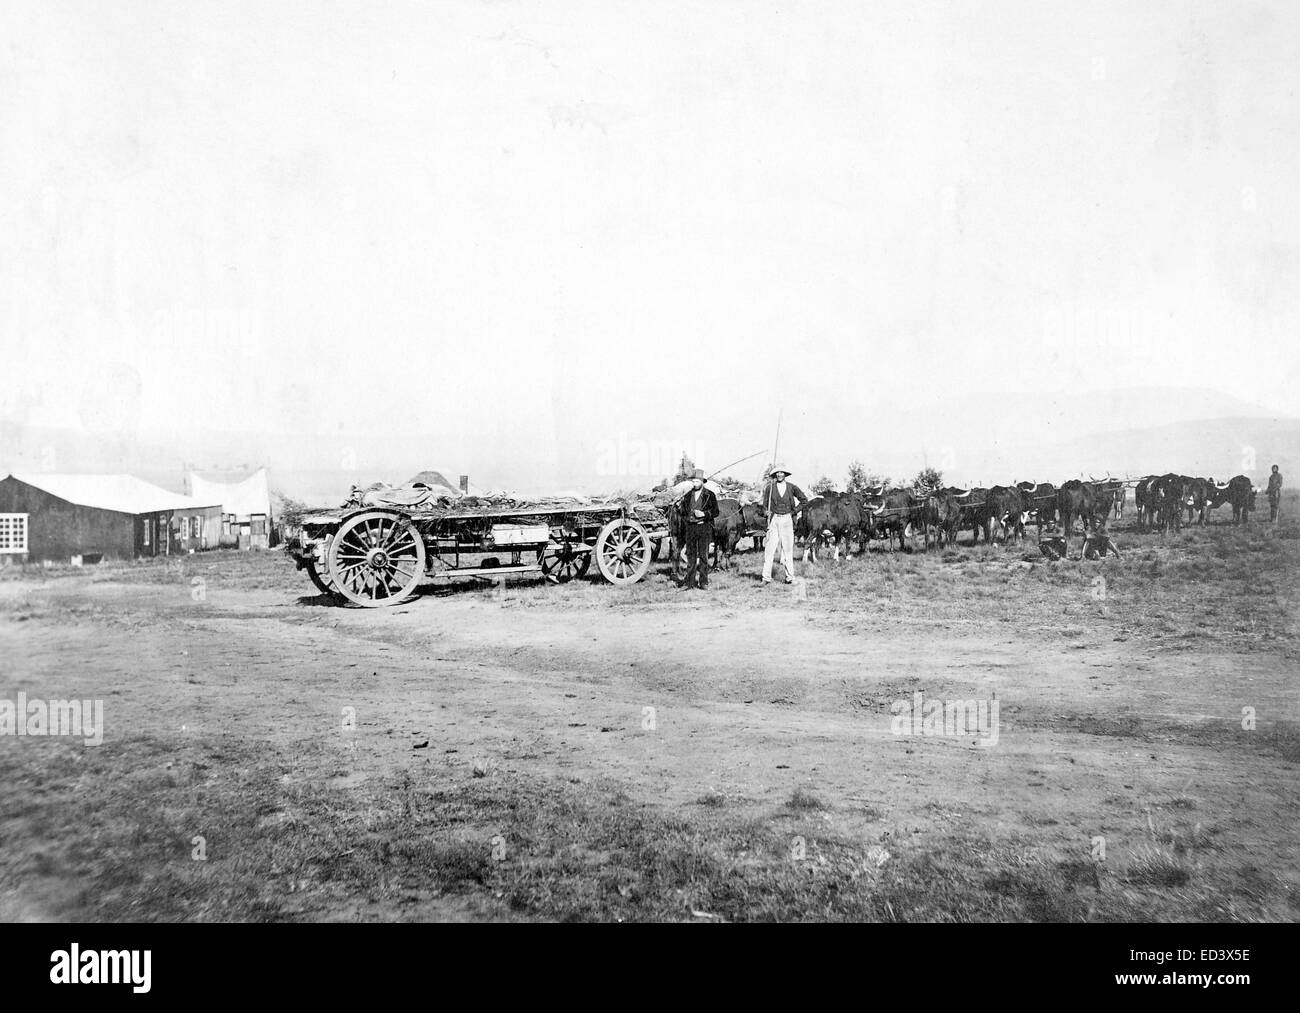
[1040, 501]
[1075, 498]
[1240, 492]
[830, 518]
[1003, 507]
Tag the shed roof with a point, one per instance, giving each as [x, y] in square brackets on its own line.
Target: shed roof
[122, 493]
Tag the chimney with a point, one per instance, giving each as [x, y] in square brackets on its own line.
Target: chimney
[464, 484]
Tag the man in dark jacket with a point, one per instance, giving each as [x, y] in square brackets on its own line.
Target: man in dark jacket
[698, 508]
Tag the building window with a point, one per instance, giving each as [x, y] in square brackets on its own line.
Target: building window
[148, 523]
[13, 533]
[195, 526]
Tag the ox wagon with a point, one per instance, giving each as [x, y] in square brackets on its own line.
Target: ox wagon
[377, 555]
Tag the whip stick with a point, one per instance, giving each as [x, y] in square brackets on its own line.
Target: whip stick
[734, 463]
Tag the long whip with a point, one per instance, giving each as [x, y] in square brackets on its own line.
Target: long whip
[734, 463]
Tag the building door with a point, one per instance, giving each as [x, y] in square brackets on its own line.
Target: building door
[146, 535]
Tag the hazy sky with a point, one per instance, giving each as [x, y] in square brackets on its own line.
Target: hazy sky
[513, 226]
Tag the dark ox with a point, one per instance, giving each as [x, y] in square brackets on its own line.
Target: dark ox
[1166, 495]
[728, 529]
[1040, 502]
[1144, 500]
[754, 517]
[892, 513]
[1003, 507]
[941, 511]
[1197, 499]
[1239, 492]
[1108, 498]
[972, 512]
[1074, 499]
[830, 518]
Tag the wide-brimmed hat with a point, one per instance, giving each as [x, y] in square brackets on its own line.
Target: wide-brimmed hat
[697, 473]
[781, 468]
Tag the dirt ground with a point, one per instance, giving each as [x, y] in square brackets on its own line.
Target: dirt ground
[590, 752]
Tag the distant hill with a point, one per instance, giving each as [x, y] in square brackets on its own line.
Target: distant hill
[895, 428]
[1207, 447]
[994, 437]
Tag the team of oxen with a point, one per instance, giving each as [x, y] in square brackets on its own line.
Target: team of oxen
[998, 514]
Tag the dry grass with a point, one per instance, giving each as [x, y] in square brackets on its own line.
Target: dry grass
[516, 847]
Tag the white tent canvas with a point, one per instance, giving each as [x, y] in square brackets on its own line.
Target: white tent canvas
[241, 497]
[245, 506]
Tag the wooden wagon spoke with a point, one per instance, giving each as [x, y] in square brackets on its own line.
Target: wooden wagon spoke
[378, 558]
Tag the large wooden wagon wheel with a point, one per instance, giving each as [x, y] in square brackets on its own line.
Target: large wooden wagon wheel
[562, 561]
[623, 551]
[376, 558]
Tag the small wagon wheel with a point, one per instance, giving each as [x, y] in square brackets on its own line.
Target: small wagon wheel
[561, 562]
[623, 550]
[319, 572]
[376, 558]
[322, 584]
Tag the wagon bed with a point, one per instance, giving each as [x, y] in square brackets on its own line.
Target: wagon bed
[377, 555]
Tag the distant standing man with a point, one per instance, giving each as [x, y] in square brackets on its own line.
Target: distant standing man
[698, 508]
[781, 499]
[1274, 493]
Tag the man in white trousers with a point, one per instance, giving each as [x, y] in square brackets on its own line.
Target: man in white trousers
[782, 500]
